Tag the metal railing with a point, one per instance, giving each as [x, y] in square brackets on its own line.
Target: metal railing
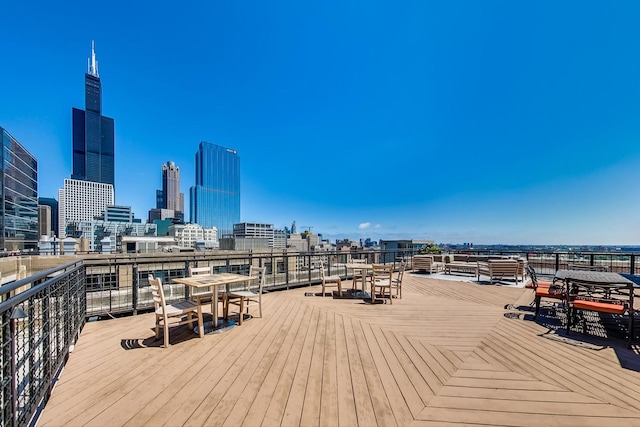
[120, 285]
[42, 316]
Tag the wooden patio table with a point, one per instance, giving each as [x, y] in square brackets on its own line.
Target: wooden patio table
[365, 268]
[606, 281]
[204, 281]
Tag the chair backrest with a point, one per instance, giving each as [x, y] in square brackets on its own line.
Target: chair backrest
[401, 272]
[382, 272]
[195, 271]
[157, 292]
[260, 273]
[322, 276]
[532, 273]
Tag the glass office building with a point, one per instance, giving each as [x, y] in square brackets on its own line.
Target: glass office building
[19, 207]
[215, 199]
[93, 133]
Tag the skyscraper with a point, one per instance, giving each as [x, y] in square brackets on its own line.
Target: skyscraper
[82, 201]
[18, 196]
[93, 133]
[215, 198]
[170, 196]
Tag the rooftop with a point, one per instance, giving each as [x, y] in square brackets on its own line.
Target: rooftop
[447, 353]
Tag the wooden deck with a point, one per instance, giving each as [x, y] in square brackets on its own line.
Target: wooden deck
[448, 353]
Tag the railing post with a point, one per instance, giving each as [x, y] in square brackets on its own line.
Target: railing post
[135, 287]
[14, 371]
[187, 293]
[591, 259]
[632, 264]
[286, 269]
[557, 261]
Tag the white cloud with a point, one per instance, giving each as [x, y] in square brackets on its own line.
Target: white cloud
[364, 225]
[377, 226]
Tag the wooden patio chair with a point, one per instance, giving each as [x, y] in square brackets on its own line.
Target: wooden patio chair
[552, 290]
[247, 298]
[396, 283]
[178, 310]
[328, 281]
[205, 296]
[382, 278]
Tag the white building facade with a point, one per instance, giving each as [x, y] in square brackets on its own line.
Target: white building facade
[82, 201]
[186, 235]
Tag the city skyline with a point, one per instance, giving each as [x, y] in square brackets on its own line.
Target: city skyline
[488, 122]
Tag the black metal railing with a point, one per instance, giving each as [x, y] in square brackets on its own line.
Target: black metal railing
[42, 316]
[119, 285]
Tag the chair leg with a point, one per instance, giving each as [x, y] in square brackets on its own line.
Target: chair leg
[157, 327]
[537, 307]
[241, 312]
[200, 322]
[166, 333]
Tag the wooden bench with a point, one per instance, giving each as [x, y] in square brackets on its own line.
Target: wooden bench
[427, 263]
[465, 267]
[499, 268]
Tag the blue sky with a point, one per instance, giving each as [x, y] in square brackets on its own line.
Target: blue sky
[456, 121]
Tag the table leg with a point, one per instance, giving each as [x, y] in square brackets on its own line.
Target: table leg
[215, 307]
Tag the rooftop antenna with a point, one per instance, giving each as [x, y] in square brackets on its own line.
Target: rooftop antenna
[92, 64]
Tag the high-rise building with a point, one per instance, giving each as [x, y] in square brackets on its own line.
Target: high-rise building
[93, 133]
[215, 198]
[19, 197]
[277, 239]
[170, 196]
[53, 205]
[82, 201]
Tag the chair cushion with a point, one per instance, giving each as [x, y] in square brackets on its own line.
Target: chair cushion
[604, 307]
[549, 292]
[540, 284]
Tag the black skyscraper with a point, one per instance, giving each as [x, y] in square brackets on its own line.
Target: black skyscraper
[93, 133]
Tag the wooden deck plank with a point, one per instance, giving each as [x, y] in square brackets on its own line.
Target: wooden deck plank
[255, 374]
[361, 395]
[294, 405]
[400, 393]
[267, 392]
[411, 371]
[313, 390]
[382, 408]
[329, 393]
[530, 419]
[549, 408]
[278, 403]
[345, 393]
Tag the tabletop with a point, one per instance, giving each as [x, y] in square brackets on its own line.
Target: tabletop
[357, 265]
[206, 280]
[596, 277]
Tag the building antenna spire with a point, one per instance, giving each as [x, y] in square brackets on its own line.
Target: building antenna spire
[92, 64]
